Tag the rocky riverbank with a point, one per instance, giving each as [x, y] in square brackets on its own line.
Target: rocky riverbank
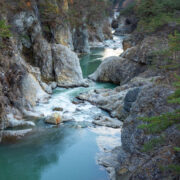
[37, 55]
[142, 92]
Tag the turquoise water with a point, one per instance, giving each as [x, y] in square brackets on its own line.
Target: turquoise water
[68, 151]
[62, 153]
[90, 62]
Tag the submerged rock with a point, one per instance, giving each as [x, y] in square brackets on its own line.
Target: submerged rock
[13, 135]
[58, 109]
[55, 119]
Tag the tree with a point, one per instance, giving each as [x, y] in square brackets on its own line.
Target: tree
[4, 30]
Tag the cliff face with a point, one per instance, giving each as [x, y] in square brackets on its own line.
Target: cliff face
[143, 91]
[39, 54]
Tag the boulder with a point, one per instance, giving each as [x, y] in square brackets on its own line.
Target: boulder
[55, 119]
[114, 24]
[57, 109]
[117, 70]
[67, 68]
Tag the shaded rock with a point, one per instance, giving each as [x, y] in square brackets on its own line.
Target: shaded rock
[81, 40]
[67, 68]
[128, 42]
[114, 24]
[57, 109]
[151, 101]
[77, 101]
[43, 58]
[126, 25]
[117, 70]
[55, 119]
[130, 97]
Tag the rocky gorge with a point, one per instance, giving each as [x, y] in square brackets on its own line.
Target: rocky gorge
[51, 97]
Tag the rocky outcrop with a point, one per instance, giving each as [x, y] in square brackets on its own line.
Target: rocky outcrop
[81, 39]
[100, 31]
[63, 35]
[126, 25]
[118, 101]
[43, 58]
[117, 70]
[66, 67]
[30, 61]
[146, 50]
[151, 101]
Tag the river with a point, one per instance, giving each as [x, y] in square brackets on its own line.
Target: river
[68, 151]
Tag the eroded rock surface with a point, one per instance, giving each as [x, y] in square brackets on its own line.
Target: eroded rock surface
[67, 69]
[117, 70]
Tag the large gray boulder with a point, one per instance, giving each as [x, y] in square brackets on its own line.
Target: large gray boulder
[116, 70]
[67, 68]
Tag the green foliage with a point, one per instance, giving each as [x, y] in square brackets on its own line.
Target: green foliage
[149, 146]
[156, 13]
[4, 30]
[177, 149]
[170, 55]
[88, 11]
[175, 98]
[157, 124]
[129, 9]
[52, 12]
[175, 168]
[174, 42]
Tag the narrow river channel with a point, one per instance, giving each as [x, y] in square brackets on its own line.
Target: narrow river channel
[68, 151]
